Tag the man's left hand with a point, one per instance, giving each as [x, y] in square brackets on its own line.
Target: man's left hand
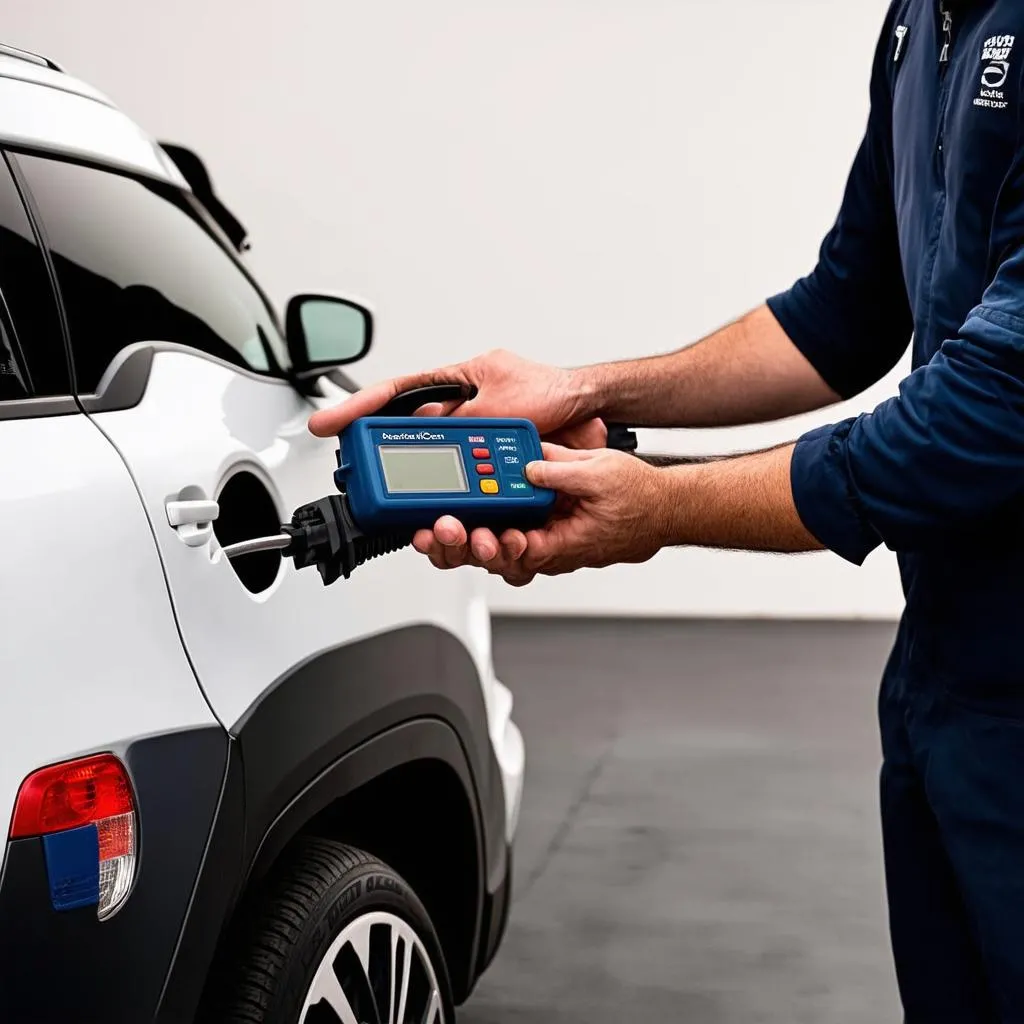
[611, 509]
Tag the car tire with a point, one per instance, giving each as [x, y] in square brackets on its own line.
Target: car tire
[335, 936]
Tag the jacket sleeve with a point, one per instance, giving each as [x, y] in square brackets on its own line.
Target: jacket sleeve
[947, 453]
[851, 317]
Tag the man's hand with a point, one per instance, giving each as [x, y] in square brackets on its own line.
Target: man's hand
[615, 508]
[506, 386]
[611, 509]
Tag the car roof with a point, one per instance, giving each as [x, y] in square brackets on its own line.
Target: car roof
[45, 109]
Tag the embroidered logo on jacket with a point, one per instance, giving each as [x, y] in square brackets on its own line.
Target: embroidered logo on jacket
[995, 56]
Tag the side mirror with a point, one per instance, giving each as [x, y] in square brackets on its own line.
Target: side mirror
[324, 331]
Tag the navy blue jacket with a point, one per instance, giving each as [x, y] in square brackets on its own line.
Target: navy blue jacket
[929, 243]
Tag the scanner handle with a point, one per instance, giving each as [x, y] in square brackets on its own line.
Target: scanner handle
[408, 402]
[620, 436]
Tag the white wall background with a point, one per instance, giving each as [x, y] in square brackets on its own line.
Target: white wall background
[574, 179]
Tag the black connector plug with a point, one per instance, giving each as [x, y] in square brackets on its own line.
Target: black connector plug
[324, 534]
[621, 438]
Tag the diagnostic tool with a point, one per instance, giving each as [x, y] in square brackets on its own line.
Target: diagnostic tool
[398, 473]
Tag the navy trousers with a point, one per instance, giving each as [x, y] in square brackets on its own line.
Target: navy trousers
[952, 801]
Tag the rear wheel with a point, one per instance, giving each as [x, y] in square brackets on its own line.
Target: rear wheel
[337, 938]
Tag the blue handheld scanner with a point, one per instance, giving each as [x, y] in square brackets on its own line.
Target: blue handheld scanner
[404, 472]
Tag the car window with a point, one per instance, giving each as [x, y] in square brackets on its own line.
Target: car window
[136, 262]
[33, 361]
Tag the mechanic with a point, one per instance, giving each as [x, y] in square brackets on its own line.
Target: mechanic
[929, 243]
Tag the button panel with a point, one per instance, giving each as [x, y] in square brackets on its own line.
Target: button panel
[498, 462]
[501, 456]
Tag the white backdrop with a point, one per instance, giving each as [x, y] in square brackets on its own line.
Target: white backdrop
[573, 179]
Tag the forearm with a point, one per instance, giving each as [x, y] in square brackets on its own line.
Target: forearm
[747, 372]
[743, 503]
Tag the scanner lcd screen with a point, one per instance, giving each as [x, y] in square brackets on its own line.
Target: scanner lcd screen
[423, 468]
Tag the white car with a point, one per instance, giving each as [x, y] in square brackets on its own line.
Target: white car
[234, 793]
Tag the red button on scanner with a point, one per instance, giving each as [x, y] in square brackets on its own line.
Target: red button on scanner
[481, 453]
[485, 469]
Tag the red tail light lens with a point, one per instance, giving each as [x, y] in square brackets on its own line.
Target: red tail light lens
[72, 794]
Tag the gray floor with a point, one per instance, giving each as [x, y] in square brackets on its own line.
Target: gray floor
[699, 837]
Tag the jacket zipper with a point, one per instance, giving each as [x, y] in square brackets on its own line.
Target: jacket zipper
[944, 58]
[940, 156]
[947, 35]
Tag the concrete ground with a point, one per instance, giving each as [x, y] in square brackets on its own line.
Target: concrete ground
[699, 837]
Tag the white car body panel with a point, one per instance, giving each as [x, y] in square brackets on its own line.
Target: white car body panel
[83, 604]
[201, 421]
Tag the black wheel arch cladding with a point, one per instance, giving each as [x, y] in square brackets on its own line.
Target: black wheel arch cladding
[336, 723]
[337, 700]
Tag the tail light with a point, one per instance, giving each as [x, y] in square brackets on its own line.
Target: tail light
[84, 811]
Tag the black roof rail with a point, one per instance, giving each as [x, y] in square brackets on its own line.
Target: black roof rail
[32, 58]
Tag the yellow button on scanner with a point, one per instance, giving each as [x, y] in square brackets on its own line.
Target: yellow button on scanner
[489, 486]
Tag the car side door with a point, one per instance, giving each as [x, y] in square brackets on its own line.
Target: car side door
[180, 362]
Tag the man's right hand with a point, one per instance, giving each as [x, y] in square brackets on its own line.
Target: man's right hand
[506, 386]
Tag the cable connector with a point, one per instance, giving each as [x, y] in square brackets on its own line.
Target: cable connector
[324, 534]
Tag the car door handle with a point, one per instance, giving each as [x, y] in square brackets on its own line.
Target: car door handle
[193, 520]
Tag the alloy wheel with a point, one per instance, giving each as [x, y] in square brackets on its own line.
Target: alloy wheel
[376, 971]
